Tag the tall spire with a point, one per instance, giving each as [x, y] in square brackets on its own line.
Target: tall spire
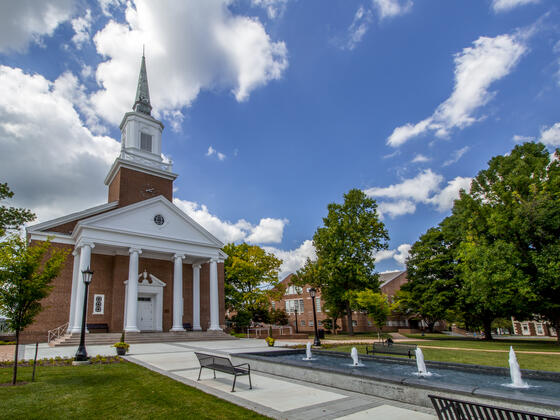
[142, 101]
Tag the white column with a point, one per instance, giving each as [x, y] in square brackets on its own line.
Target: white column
[132, 292]
[214, 299]
[196, 298]
[75, 279]
[85, 261]
[178, 293]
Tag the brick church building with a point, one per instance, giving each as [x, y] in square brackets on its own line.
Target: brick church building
[155, 268]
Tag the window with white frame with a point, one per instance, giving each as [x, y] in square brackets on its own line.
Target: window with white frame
[310, 323]
[293, 290]
[525, 328]
[354, 323]
[318, 304]
[319, 323]
[294, 304]
[539, 328]
[302, 322]
[98, 304]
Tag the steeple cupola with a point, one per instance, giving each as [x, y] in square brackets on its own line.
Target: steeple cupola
[140, 171]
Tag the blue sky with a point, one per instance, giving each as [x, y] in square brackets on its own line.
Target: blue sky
[275, 108]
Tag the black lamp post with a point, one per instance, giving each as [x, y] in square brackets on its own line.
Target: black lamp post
[312, 294]
[296, 312]
[81, 354]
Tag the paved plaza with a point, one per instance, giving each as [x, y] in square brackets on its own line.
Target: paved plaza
[274, 396]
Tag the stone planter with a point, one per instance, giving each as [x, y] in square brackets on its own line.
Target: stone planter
[121, 351]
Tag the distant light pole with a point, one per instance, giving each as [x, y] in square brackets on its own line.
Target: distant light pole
[296, 312]
[81, 354]
[312, 294]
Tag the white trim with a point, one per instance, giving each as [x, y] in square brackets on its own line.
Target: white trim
[85, 223]
[71, 217]
[136, 166]
[57, 238]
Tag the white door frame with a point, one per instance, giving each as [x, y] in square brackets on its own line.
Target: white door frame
[153, 289]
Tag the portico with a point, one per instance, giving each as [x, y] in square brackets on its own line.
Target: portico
[177, 240]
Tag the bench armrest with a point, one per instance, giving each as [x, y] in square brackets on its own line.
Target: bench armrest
[244, 364]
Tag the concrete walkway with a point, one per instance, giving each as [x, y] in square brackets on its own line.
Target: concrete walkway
[273, 396]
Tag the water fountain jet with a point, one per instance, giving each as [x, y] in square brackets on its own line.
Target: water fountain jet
[420, 365]
[308, 355]
[515, 371]
[355, 358]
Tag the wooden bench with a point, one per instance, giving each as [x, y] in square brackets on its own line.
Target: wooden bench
[97, 328]
[223, 364]
[401, 349]
[450, 409]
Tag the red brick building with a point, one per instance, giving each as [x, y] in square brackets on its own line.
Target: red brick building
[533, 328]
[155, 269]
[298, 303]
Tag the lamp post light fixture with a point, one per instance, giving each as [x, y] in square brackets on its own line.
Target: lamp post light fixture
[312, 292]
[81, 354]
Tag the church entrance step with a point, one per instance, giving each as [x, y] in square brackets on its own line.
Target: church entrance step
[144, 337]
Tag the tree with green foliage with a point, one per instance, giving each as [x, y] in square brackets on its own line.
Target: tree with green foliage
[26, 273]
[510, 226]
[346, 246]
[431, 288]
[278, 317]
[375, 304]
[11, 217]
[251, 278]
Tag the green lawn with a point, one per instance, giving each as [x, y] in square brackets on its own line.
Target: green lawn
[526, 361]
[117, 391]
[441, 340]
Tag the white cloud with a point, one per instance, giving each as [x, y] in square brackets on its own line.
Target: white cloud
[190, 46]
[521, 139]
[418, 188]
[399, 255]
[551, 135]
[107, 5]
[507, 5]
[211, 151]
[274, 8]
[423, 188]
[395, 208]
[293, 259]
[51, 161]
[267, 231]
[358, 28]
[444, 199]
[476, 68]
[25, 21]
[392, 8]
[420, 158]
[81, 26]
[456, 155]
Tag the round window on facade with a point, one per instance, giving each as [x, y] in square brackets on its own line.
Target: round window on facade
[159, 220]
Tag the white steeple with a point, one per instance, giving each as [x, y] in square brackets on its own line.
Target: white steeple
[141, 135]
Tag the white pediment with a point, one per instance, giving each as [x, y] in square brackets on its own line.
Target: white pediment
[154, 218]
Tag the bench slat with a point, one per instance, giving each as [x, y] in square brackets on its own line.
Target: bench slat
[451, 409]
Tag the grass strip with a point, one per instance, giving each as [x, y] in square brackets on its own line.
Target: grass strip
[108, 391]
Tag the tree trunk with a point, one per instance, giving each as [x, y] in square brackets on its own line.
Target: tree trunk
[334, 321]
[349, 319]
[14, 378]
[487, 329]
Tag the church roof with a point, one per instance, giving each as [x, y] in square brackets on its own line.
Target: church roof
[142, 101]
[386, 278]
